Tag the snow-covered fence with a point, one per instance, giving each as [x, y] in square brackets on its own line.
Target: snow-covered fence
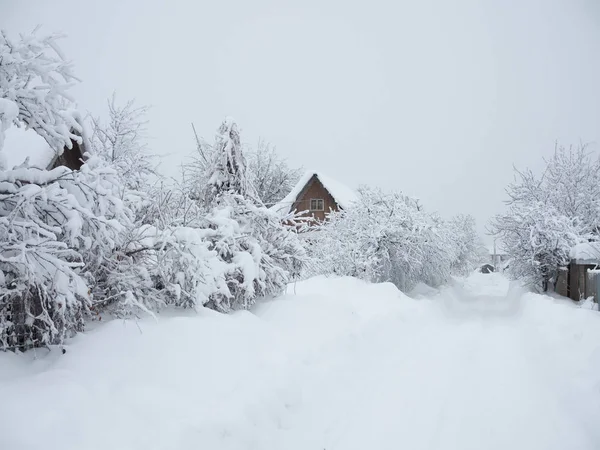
[592, 284]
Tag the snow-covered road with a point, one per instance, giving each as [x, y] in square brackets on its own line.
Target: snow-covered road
[339, 365]
[475, 383]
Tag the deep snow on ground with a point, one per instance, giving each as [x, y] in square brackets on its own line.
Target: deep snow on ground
[335, 364]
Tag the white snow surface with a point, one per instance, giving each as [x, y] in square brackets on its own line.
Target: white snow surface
[342, 194]
[335, 364]
[499, 249]
[586, 252]
[20, 144]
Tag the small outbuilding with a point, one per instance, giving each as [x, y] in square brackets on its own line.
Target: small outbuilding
[583, 278]
[498, 256]
[580, 279]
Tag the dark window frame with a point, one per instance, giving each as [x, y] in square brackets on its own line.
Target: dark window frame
[319, 201]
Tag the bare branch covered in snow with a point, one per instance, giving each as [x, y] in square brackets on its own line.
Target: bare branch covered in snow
[35, 79]
[550, 213]
[389, 237]
[121, 141]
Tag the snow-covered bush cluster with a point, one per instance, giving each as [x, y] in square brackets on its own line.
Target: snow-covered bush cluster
[549, 214]
[114, 237]
[57, 229]
[218, 246]
[268, 174]
[110, 236]
[121, 142]
[389, 237]
[56, 226]
[34, 80]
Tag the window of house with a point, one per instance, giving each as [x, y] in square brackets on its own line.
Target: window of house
[316, 204]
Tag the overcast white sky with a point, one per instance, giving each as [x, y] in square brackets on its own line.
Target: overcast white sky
[435, 98]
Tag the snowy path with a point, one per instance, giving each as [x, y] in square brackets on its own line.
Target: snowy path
[340, 366]
[470, 383]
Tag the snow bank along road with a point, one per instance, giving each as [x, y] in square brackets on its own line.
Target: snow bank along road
[338, 365]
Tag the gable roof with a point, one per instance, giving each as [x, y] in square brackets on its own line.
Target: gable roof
[342, 194]
[20, 144]
[586, 253]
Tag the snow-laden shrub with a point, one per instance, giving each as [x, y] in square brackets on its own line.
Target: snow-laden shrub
[265, 170]
[538, 240]
[388, 237]
[217, 246]
[57, 228]
[157, 268]
[549, 213]
[121, 142]
[34, 79]
[262, 255]
[469, 250]
[225, 171]
[239, 253]
[270, 174]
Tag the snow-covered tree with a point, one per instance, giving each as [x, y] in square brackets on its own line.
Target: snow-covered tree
[226, 170]
[569, 184]
[550, 213]
[57, 229]
[262, 254]
[216, 245]
[538, 240]
[467, 244]
[385, 237]
[70, 242]
[270, 175]
[156, 268]
[121, 141]
[34, 80]
[167, 204]
[265, 253]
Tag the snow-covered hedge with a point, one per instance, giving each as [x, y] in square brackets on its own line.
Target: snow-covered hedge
[549, 213]
[237, 252]
[57, 227]
[56, 230]
[34, 81]
[389, 237]
[104, 238]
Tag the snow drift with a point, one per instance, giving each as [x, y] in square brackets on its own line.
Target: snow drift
[335, 363]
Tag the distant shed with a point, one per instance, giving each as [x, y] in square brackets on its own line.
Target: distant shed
[585, 259]
[580, 279]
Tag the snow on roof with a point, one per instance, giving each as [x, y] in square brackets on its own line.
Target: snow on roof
[20, 144]
[342, 194]
[586, 252]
